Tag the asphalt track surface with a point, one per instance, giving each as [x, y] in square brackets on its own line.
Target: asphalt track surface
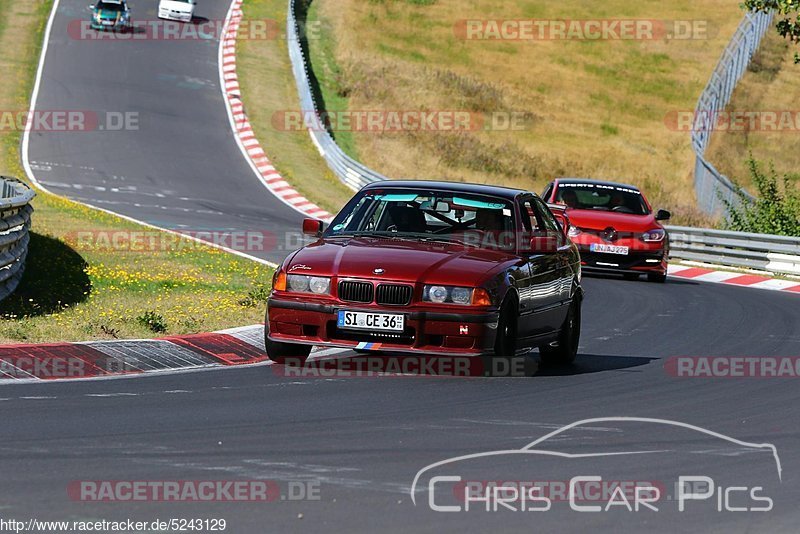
[178, 166]
[363, 440]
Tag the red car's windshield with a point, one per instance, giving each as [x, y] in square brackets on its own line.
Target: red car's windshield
[415, 214]
[586, 196]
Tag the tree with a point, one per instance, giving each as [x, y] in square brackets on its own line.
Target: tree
[788, 11]
[776, 210]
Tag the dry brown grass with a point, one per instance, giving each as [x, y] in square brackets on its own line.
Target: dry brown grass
[593, 109]
[770, 85]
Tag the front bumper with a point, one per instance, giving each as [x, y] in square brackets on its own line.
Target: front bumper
[634, 262]
[174, 15]
[426, 331]
[119, 26]
[642, 256]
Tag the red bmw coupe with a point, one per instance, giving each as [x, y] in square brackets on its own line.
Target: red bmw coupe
[614, 227]
[431, 267]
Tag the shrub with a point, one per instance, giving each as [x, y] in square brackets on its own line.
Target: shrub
[776, 210]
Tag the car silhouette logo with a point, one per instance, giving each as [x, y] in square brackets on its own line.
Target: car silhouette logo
[537, 447]
[379, 271]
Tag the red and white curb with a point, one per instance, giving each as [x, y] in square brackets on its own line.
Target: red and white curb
[105, 359]
[707, 274]
[243, 130]
[242, 346]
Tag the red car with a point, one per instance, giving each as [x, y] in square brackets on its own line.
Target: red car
[614, 227]
[431, 267]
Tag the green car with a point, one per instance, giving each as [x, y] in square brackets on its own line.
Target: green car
[113, 15]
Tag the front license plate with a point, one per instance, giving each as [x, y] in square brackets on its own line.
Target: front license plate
[608, 249]
[371, 321]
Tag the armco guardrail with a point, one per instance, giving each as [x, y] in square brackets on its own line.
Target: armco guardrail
[772, 253]
[352, 173]
[709, 184]
[15, 223]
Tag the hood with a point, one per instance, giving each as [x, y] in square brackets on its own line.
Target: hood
[177, 6]
[600, 220]
[402, 260]
[106, 14]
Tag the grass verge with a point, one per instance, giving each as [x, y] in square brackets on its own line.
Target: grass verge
[76, 293]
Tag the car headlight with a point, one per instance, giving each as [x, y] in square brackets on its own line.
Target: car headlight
[654, 236]
[461, 295]
[450, 295]
[318, 285]
[573, 231]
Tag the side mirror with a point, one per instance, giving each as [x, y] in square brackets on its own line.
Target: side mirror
[313, 227]
[90, 7]
[663, 215]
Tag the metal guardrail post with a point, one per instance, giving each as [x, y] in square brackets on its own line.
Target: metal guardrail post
[742, 250]
[15, 223]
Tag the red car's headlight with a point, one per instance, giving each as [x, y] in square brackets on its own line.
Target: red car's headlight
[465, 296]
[573, 231]
[317, 285]
[654, 236]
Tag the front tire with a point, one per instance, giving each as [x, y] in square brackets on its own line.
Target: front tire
[505, 343]
[566, 349]
[285, 353]
[658, 278]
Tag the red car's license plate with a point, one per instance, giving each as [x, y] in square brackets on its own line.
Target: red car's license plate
[371, 321]
[608, 249]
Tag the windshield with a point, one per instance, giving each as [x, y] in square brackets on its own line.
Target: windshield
[606, 197]
[424, 215]
[109, 6]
